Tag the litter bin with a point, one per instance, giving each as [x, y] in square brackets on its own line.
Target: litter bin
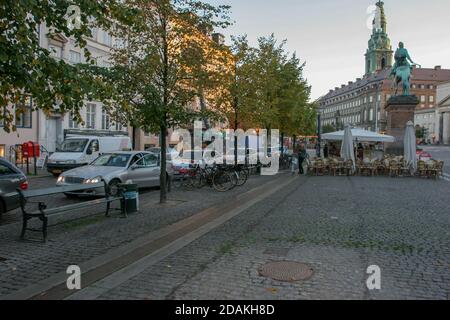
[131, 197]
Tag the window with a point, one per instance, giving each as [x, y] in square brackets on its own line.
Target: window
[107, 40]
[5, 170]
[2, 150]
[94, 32]
[24, 114]
[73, 124]
[55, 51]
[75, 57]
[371, 115]
[431, 99]
[371, 99]
[106, 120]
[422, 98]
[90, 115]
[94, 146]
[148, 161]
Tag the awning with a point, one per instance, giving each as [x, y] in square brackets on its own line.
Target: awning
[359, 135]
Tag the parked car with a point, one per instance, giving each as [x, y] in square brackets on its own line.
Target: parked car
[79, 151]
[11, 179]
[141, 168]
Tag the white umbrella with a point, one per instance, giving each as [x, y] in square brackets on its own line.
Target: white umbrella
[410, 146]
[347, 149]
[360, 135]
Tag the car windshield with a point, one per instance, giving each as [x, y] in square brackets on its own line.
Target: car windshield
[73, 145]
[112, 160]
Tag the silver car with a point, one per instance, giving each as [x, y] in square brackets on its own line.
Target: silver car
[141, 168]
[11, 179]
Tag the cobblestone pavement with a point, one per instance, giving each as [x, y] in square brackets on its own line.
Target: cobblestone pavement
[80, 236]
[441, 153]
[340, 226]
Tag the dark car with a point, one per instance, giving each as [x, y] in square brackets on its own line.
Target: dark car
[11, 179]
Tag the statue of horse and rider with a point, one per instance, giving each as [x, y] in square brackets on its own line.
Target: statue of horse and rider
[402, 69]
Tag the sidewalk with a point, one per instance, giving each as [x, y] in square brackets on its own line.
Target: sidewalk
[76, 242]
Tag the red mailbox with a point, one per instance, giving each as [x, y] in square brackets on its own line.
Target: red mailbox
[31, 150]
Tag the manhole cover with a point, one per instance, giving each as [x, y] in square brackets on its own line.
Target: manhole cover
[286, 271]
[2, 259]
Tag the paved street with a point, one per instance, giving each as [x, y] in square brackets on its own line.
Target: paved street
[337, 225]
[441, 153]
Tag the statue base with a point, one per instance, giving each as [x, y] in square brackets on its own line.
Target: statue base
[401, 110]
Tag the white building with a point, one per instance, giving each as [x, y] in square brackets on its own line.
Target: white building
[427, 119]
[443, 112]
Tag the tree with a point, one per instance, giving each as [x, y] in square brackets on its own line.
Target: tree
[27, 69]
[282, 94]
[165, 65]
[328, 128]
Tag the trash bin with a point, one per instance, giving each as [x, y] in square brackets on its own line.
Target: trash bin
[131, 197]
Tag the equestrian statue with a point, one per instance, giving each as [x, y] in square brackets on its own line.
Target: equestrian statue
[402, 69]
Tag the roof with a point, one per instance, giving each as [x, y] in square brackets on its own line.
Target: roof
[418, 74]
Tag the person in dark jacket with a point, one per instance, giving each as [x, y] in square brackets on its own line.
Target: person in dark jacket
[302, 156]
[325, 151]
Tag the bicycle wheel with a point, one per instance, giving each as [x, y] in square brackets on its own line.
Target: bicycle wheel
[222, 181]
[242, 178]
[198, 180]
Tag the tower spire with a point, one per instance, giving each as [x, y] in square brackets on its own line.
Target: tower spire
[382, 17]
[379, 52]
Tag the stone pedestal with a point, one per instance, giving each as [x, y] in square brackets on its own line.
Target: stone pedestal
[400, 110]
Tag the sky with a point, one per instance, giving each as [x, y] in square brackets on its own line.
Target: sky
[331, 36]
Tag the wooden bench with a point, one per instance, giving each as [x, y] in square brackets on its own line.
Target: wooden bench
[43, 212]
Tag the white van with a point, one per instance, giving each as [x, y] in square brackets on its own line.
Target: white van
[78, 151]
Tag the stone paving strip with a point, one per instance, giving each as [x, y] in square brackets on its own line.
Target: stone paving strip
[128, 260]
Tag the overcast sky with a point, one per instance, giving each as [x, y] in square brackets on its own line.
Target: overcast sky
[332, 35]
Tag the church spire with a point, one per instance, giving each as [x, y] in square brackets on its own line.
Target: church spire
[379, 52]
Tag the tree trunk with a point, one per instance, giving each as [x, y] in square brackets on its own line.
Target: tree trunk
[163, 164]
[235, 136]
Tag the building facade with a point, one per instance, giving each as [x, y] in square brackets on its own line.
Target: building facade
[362, 102]
[49, 130]
[442, 117]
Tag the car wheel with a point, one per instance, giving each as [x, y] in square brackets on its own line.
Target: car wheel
[114, 187]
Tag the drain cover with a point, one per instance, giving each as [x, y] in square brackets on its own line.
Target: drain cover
[286, 271]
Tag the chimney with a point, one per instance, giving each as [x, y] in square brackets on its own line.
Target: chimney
[343, 86]
[218, 38]
[350, 82]
[336, 88]
[438, 68]
[358, 79]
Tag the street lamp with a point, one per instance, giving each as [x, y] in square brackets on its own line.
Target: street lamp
[319, 134]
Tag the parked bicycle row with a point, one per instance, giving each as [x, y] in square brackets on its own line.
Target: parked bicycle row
[221, 178]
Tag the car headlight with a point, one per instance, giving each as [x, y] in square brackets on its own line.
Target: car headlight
[93, 180]
[61, 179]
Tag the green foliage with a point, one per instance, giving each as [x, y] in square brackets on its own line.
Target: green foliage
[328, 128]
[267, 89]
[27, 69]
[165, 65]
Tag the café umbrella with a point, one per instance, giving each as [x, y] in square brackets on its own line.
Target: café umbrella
[410, 146]
[347, 148]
